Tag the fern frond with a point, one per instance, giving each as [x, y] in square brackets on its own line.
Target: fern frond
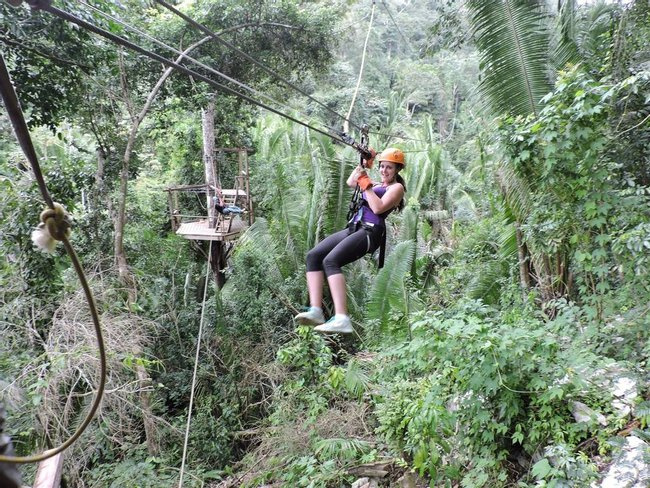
[486, 284]
[436, 215]
[356, 380]
[388, 289]
[566, 50]
[516, 192]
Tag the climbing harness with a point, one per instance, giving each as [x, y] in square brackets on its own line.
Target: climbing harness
[55, 226]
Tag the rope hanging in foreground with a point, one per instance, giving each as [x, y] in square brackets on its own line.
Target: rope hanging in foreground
[346, 123]
[196, 366]
[54, 226]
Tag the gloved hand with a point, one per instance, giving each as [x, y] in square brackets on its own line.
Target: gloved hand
[368, 163]
[364, 181]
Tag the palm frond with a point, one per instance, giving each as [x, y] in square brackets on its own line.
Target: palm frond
[315, 208]
[409, 227]
[388, 290]
[436, 215]
[516, 192]
[337, 194]
[566, 49]
[339, 448]
[486, 284]
[258, 238]
[435, 156]
[512, 38]
[593, 26]
[507, 243]
[356, 380]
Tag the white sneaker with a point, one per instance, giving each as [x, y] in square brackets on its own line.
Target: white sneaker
[313, 316]
[339, 324]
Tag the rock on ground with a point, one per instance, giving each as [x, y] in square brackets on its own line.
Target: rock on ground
[630, 469]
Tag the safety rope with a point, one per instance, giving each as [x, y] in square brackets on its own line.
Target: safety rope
[196, 366]
[257, 63]
[346, 126]
[55, 224]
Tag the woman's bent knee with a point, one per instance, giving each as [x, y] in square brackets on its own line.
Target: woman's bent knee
[331, 266]
[314, 261]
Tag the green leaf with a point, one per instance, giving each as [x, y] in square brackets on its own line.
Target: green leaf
[541, 469]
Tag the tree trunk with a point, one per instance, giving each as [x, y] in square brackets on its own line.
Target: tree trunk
[545, 279]
[218, 259]
[219, 262]
[153, 446]
[524, 272]
[120, 219]
[124, 273]
[209, 169]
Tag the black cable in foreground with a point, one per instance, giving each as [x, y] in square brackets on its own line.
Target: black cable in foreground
[59, 232]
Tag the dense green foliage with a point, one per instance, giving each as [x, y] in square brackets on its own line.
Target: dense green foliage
[515, 285]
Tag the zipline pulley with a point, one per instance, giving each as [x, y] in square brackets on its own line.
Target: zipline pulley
[364, 155]
[361, 147]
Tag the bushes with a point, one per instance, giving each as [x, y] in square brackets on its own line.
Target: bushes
[505, 384]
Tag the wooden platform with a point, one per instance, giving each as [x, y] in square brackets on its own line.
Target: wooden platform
[201, 231]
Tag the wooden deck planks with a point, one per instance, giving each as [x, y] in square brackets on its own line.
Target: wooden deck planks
[200, 231]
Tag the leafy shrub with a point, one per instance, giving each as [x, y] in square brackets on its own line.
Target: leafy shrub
[507, 383]
[413, 418]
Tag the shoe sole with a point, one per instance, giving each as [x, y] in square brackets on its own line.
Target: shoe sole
[305, 321]
[351, 331]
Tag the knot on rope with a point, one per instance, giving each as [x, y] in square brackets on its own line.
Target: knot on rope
[55, 226]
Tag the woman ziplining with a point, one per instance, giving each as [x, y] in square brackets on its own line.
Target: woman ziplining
[364, 234]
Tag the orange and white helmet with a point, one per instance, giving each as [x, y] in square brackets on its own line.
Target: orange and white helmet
[392, 155]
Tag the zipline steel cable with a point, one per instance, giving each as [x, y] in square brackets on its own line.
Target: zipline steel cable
[190, 58]
[212, 34]
[134, 47]
[257, 63]
[22, 134]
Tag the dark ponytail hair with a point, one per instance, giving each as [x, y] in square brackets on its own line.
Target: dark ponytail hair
[401, 181]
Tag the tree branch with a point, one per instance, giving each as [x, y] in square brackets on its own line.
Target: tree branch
[50, 56]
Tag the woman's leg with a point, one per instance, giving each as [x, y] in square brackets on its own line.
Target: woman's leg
[336, 283]
[315, 275]
[353, 247]
[315, 280]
